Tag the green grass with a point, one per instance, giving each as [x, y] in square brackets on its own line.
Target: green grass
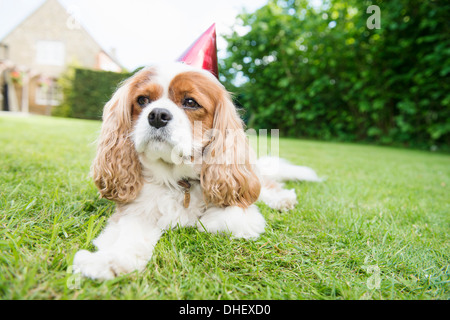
[377, 228]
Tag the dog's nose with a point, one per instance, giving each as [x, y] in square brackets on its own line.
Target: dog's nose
[159, 117]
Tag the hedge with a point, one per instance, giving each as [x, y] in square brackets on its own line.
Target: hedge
[323, 73]
[86, 92]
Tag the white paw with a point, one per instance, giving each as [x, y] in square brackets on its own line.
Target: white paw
[96, 265]
[282, 200]
[287, 201]
[242, 223]
[104, 265]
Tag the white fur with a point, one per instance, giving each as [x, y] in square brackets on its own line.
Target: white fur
[128, 241]
[177, 144]
[282, 200]
[282, 170]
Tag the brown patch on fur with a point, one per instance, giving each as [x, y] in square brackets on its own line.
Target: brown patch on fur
[200, 88]
[116, 168]
[227, 176]
[142, 85]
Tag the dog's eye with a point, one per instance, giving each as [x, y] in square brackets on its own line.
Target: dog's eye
[143, 101]
[190, 103]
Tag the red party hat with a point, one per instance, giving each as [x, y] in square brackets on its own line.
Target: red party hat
[203, 52]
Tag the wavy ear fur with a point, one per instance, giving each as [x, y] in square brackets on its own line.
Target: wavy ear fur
[116, 168]
[227, 176]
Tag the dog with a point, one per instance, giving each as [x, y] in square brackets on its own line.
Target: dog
[172, 152]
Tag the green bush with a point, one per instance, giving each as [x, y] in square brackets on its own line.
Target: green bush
[86, 92]
[322, 73]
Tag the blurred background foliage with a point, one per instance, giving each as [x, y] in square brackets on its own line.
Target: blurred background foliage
[319, 72]
[313, 69]
[86, 91]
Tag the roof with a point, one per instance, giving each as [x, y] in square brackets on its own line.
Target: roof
[79, 25]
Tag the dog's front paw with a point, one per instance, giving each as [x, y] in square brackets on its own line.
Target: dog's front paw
[104, 265]
[242, 223]
[287, 200]
[97, 265]
[282, 200]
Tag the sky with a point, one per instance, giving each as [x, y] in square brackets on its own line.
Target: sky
[141, 32]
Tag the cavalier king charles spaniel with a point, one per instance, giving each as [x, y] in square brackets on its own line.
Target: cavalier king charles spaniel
[172, 152]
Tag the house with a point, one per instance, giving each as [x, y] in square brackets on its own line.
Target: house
[38, 51]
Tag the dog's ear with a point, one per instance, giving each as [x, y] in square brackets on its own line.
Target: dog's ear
[116, 168]
[227, 176]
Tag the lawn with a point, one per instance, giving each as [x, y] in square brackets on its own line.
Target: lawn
[377, 228]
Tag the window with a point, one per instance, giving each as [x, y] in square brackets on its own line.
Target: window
[48, 93]
[50, 53]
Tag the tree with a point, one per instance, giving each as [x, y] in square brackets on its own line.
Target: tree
[320, 72]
